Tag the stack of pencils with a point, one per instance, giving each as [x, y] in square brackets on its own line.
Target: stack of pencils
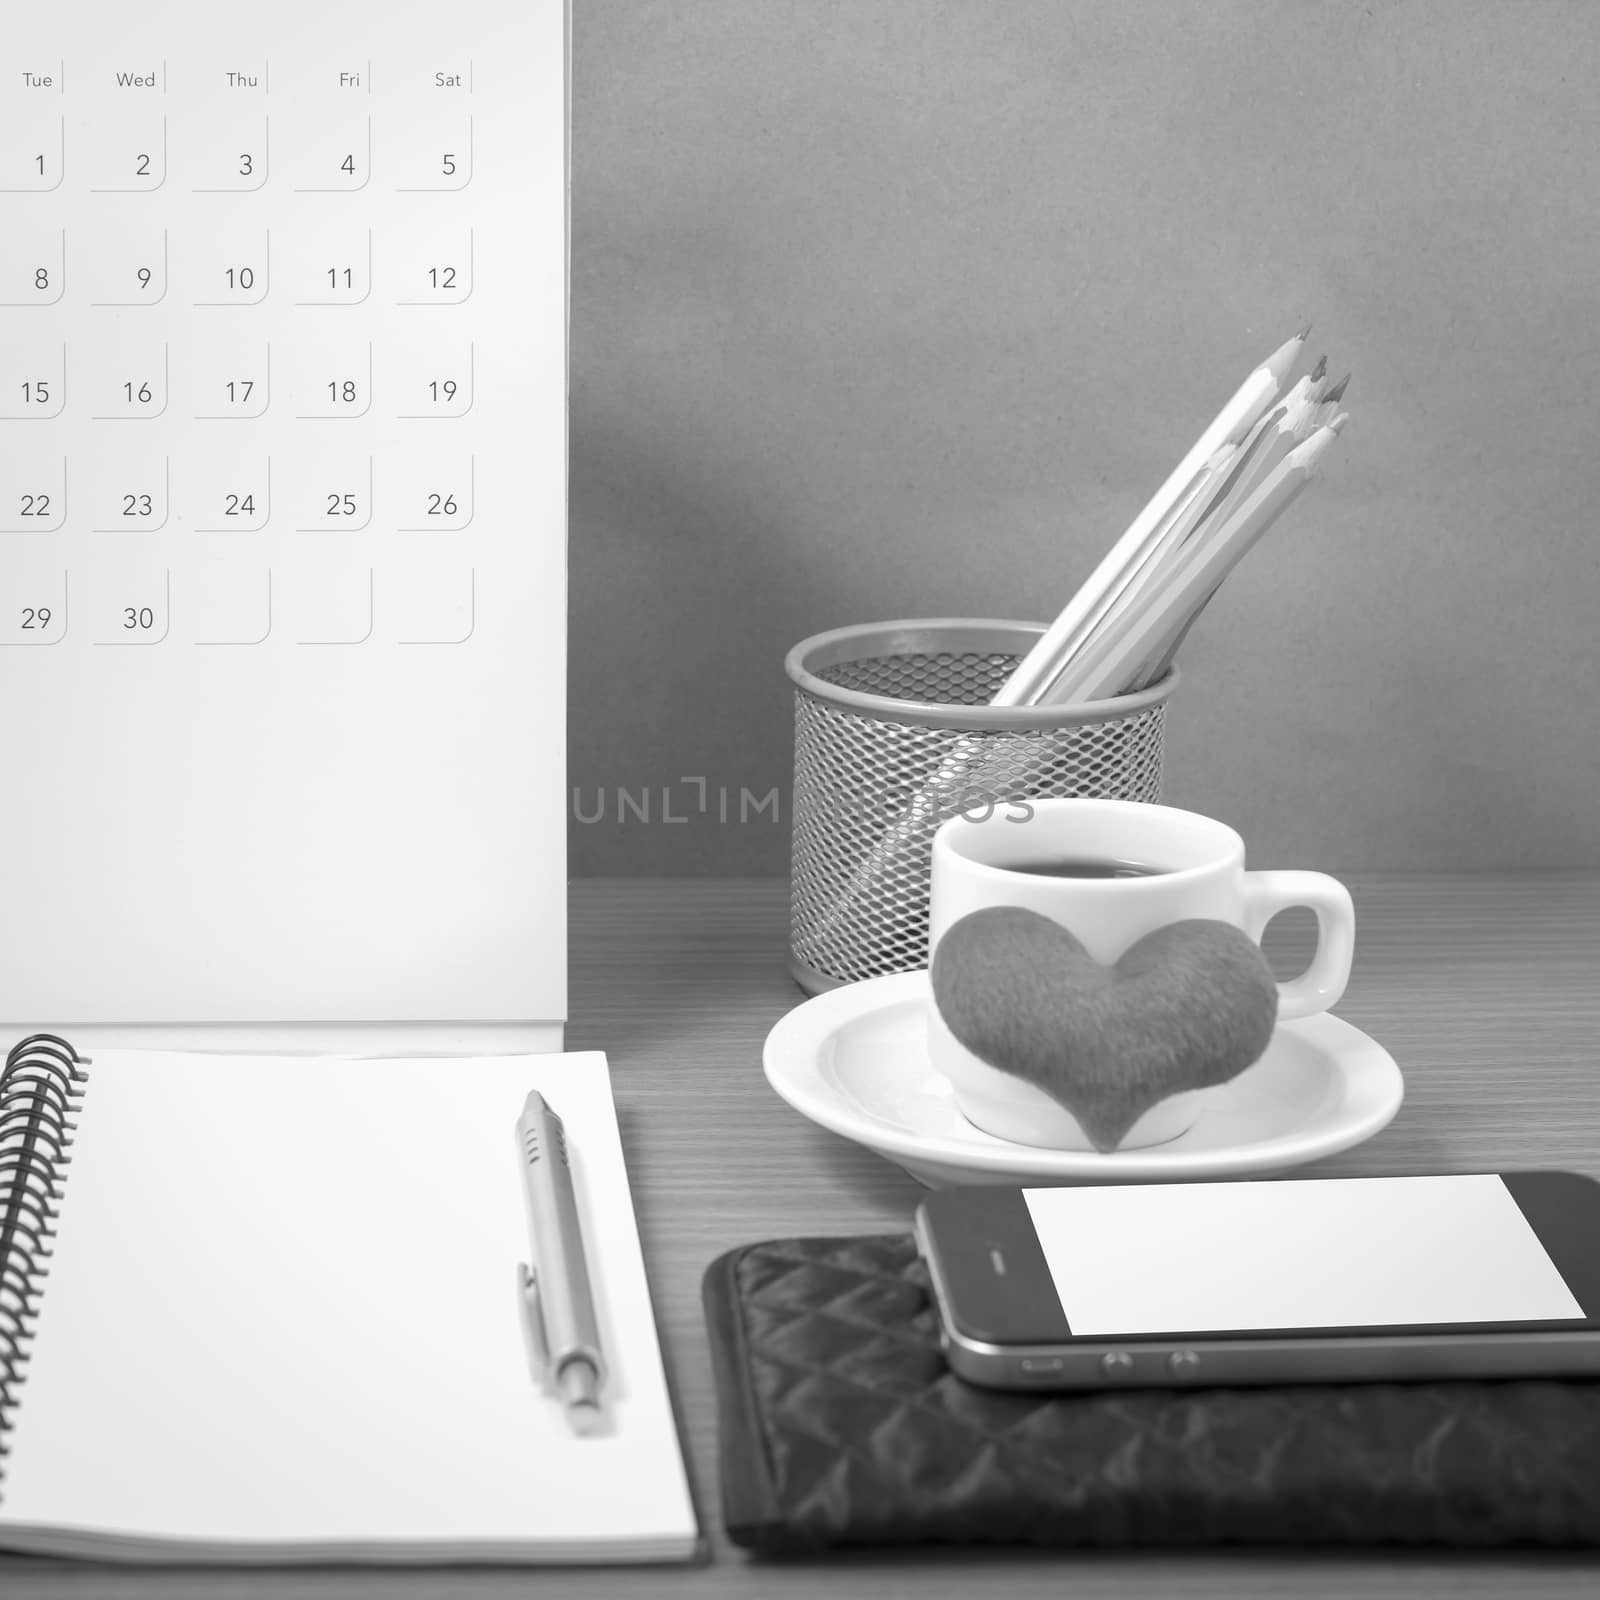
[1122, 629]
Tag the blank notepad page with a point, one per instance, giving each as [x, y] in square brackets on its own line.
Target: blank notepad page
[282, 1321]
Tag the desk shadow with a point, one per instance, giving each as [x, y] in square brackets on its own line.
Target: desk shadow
[1234, 1571]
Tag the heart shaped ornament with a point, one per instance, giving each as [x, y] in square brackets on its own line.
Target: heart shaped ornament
[1189, 1006]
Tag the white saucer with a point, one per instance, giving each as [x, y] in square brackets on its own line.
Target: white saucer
[854, 1060]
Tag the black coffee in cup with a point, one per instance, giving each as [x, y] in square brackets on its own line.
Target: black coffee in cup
[1087, 867]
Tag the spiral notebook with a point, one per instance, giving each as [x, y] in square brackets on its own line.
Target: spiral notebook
[266, 1310]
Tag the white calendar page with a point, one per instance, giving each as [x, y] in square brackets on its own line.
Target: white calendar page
[283, 511]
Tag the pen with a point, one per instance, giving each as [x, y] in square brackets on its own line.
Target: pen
[557, 1303]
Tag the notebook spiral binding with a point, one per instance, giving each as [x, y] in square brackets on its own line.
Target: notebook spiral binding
[41, 1094]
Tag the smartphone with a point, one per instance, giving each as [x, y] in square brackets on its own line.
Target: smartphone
[1336, 1280]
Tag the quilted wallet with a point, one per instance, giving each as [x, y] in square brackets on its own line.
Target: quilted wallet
[840, 1424]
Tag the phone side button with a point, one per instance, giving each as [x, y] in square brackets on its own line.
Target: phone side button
[1116, 1364]
[1183, 1365]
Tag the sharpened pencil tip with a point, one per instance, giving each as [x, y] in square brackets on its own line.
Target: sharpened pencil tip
[1337, 426]
[1337, 391]
[1303, 333]
[1319, 371]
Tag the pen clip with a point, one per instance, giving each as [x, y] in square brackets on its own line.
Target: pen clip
[538, 1346]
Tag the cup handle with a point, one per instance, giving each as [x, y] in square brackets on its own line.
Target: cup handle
[1322, 983]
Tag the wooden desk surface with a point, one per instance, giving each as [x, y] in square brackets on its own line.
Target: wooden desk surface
[1486, 990]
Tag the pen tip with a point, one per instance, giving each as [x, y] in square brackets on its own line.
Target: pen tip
[579, 1385]
[586, 1420]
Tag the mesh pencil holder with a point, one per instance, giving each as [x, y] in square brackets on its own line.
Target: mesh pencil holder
[893, 734]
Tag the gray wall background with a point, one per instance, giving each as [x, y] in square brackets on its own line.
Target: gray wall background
[895, 308]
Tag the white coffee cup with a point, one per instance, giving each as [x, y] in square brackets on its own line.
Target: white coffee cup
[975, 866]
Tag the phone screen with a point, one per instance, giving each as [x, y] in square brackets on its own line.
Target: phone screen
[1310, 1254]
